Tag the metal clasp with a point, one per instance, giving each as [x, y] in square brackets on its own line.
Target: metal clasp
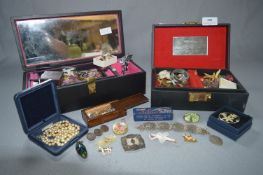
[91, 85]
[199, 96]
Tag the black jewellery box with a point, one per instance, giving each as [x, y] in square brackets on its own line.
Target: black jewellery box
[191, 68]
[230, 122]
[39, 111]
[71, 49]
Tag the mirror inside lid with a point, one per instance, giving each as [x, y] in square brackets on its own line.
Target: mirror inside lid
[68, 39]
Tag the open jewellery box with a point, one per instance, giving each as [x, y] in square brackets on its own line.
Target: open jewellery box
[239, 124]
[68, 48]
[200, 55]
[38, 109]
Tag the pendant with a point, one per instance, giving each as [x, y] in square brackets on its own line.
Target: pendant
[81, 149]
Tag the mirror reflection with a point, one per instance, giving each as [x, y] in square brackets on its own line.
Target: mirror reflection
[67, 38]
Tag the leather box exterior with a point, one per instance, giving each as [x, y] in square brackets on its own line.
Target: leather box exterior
[189, 98]
[97, 29]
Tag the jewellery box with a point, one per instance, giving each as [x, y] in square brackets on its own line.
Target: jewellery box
[82, 52]
[191, 68]
[230, 122]
[38, 111]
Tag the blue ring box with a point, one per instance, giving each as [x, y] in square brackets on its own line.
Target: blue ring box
[37, 108]
[233, 131]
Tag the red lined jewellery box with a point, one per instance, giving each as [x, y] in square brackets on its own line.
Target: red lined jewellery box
[38, 109]
[63, 48]
[191, 68]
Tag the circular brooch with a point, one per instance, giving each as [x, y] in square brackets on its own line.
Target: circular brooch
[120, 128]
[191, 117]
[229, 117]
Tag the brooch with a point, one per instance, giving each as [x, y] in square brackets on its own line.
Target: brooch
[120, 128]
[189, 138]
[132, 142]
[191, 117]
[229, 117]
[162, 137]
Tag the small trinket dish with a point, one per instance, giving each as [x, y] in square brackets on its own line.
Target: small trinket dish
[39, 111]
[230, 122]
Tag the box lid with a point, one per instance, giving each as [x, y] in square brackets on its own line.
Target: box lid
[67, 39]
[191, 46]
[37, 105]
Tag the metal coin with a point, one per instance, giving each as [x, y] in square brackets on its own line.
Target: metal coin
[163, 126]
[91, 136]
[104, 128]
[97, 132]
[215, 140]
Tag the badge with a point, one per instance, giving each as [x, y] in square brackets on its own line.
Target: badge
[132, 142]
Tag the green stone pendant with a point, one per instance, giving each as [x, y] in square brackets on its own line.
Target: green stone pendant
[81, 149]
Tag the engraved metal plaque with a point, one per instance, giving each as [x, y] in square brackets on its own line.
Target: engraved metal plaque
[190, 45]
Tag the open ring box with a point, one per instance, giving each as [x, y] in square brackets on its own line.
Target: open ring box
[231, 130]
[204, 53]
[38, 109]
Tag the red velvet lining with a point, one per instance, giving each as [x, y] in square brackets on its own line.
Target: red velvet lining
[217, 57]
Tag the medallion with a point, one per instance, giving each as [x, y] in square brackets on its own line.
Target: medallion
[97, 132]
[91, 136]
[104, 128]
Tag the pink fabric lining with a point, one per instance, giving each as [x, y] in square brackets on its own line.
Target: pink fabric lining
[132, 68]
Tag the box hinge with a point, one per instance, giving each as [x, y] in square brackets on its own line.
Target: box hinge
[199, 96]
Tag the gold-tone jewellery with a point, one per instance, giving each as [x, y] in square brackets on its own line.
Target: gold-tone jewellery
[229, 117]
[59, 133]
[189, 138]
